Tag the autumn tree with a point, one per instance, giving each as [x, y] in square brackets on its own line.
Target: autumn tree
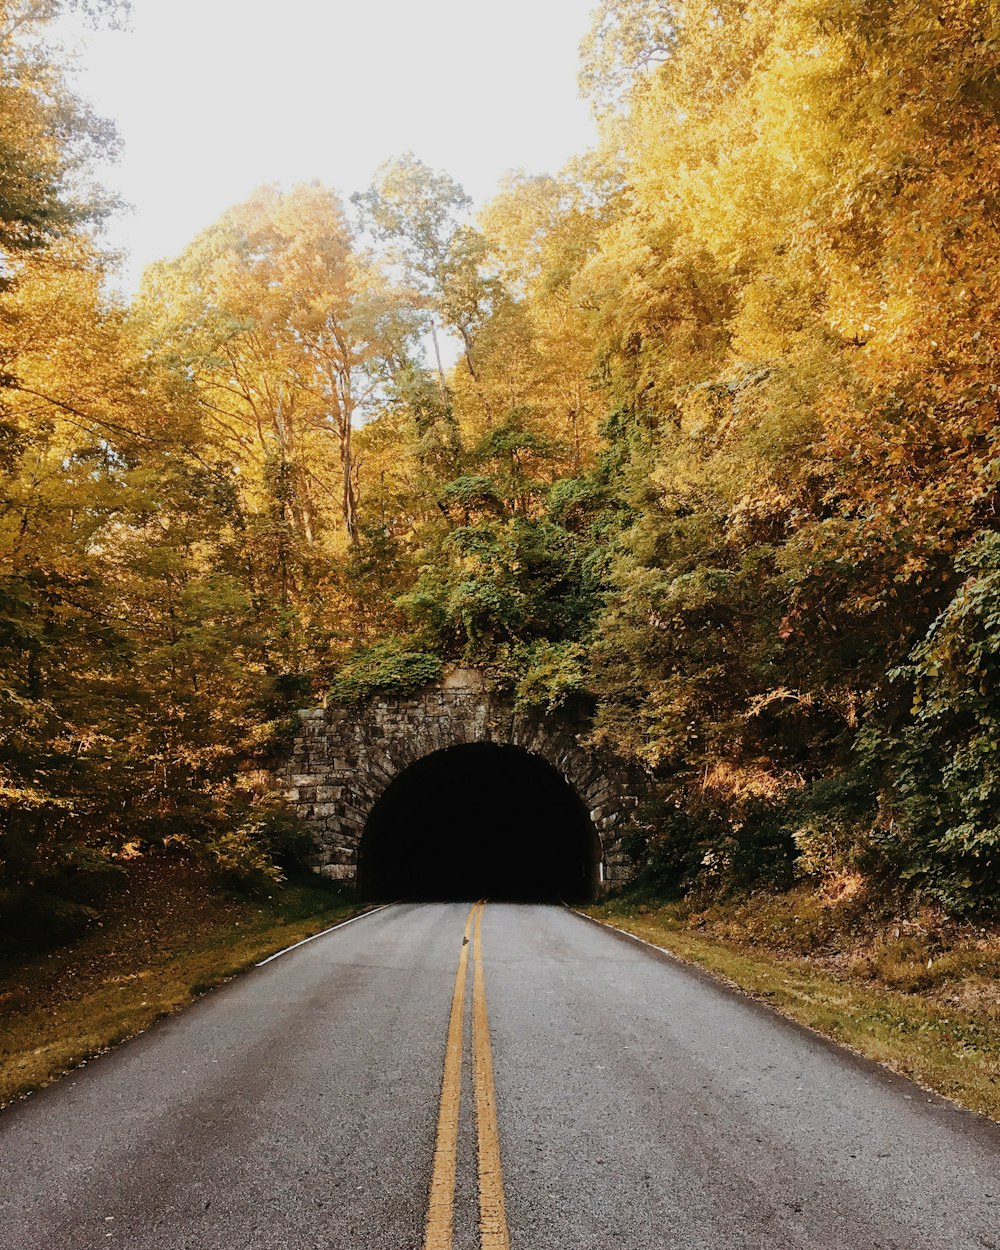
[422, 214]
[290, 337]
[794, 305]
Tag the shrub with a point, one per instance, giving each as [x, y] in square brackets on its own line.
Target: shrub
[389, 666]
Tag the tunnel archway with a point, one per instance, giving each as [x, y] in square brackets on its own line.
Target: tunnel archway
[479, 820]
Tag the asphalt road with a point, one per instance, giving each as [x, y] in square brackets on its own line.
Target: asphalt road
[639, 1105]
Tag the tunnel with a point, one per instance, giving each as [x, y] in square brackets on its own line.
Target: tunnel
[479, 821]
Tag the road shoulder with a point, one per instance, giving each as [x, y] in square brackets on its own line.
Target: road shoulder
[944, 1049]
[159, 948]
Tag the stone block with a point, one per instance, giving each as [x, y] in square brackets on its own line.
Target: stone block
[338, 872]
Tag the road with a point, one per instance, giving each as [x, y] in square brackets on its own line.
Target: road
[316, 1103]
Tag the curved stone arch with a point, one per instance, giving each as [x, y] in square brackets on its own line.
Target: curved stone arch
[344, 760]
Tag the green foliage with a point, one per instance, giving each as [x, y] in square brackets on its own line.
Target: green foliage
[551, 673]
[945, 763]
[500, 580]
[387, 667]
[471, 493]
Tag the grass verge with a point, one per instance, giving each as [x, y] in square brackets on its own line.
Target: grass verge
[920, 996]
[166, 937]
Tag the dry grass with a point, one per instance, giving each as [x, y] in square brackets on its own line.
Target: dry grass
[920, 995]
[163, 941]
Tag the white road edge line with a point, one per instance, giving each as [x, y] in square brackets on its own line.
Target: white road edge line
[673, 957]
[343, 925]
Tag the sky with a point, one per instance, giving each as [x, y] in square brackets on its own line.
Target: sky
[213, 98]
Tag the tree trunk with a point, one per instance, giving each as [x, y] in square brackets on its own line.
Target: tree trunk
[348, 499]
[437, 357]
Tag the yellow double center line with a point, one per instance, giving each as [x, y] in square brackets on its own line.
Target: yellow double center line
[492, 1211]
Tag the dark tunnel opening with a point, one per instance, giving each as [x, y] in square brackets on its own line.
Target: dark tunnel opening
[479, 821]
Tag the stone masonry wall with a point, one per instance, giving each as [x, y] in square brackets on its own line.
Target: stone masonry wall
[343, 760]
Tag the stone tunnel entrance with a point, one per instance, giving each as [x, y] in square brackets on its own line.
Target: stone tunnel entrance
[480, 820]
[455, 791]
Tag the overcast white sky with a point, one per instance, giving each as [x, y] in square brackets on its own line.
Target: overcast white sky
[215, 97]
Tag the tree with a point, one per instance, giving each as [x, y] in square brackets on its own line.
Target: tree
[796, 305]
[419, 213]
[626, 38]
[290, 337]
[539, 348]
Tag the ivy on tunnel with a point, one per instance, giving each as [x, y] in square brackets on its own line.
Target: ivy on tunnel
[479, 821]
